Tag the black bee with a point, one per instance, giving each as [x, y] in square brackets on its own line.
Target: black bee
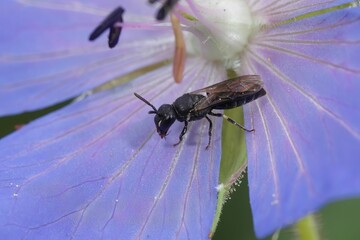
[193, 106]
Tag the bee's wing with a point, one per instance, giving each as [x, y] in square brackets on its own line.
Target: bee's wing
[239, 84]
[228, 91]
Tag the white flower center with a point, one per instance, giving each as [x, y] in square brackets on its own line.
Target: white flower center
[221, 31]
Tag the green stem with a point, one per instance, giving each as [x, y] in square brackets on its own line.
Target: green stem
[307, 228]
[315, 13]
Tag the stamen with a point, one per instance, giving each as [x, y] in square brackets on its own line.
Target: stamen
[144, 25]
[180, 50]
[165, 8]
[110, 23]
[114, 36]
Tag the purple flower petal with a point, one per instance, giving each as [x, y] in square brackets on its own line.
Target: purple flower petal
[275, 10]
[97, 169]
[46, 58]
[305, 150]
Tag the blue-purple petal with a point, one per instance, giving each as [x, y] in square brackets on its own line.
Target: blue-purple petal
[97, 169]
[46, 57]
[305, 150]
[279, 10]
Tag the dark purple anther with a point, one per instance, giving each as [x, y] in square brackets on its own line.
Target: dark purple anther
[110, 23]
[165, 9]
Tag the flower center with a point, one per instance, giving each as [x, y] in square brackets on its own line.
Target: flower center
[221, 29]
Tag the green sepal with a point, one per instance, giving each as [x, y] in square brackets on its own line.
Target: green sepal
[233, 160]
[307, 228]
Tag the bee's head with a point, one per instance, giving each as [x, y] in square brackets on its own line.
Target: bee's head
[165, 116]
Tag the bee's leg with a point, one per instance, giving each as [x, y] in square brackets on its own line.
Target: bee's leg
[230, 120]
[182, 133]
[210, 131]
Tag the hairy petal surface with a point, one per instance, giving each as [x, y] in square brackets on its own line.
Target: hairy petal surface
[46, 57]
[97, 169]
[304, 151]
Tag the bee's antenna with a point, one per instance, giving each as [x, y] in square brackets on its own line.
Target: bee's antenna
[147, 102]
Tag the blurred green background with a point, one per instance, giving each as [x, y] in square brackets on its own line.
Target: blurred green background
[338, 221]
